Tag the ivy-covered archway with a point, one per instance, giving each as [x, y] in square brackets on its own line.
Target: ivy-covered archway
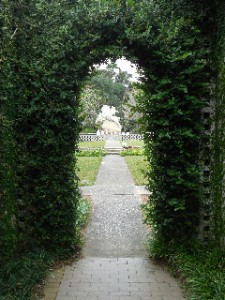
[47, 51]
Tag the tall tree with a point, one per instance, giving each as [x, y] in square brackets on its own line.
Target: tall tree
[112, 87]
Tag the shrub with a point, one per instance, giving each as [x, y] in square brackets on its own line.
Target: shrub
[200, 267]
[132, 152]
[90, 152]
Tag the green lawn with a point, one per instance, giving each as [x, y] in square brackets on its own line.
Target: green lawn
[93, 144]
[133, 143]
[88, 169]
[138, 167]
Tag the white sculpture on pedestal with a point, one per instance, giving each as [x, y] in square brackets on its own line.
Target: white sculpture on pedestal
[107, 120]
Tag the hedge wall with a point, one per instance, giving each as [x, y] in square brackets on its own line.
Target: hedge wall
[218, 130]
[176, 89]
[47, 50]
[8, 183]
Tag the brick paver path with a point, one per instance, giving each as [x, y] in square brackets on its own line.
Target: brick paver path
[115, 265]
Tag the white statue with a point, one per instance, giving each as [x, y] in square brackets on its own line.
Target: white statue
[109, 123]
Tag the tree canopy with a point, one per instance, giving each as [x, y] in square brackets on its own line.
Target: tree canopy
[113, 88]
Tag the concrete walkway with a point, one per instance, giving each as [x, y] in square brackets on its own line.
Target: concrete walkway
[115, 265]
[112, 141]
[117, 228]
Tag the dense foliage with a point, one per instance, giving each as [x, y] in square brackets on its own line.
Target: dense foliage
[218, 133]
[112, 87]
[200, 268]
[175, 93]
[7, 136]
[24, 276]
[46, 51]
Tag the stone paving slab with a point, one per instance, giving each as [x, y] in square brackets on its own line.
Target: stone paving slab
[142, 190]
[113, 142]
[115, 190]
[53, 282]
[117, 278]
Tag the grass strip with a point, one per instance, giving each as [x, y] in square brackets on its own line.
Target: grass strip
[21, 274]
[88, 169]
[132, 152]
[134, 143]
[92, 144]
[138, 167]
[200, 267]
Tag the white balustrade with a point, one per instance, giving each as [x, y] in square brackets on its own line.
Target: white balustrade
[131, 136]
[89, 137]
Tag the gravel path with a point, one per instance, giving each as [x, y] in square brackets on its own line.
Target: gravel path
[117, 227]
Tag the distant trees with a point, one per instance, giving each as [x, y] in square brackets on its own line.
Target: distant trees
[111, 88]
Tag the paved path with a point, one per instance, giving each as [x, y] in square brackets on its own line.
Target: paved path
[113, 141]
[115, 265]
[117, 228]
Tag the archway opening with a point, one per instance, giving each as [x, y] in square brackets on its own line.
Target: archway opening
[113, 84]
[110, 107]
